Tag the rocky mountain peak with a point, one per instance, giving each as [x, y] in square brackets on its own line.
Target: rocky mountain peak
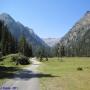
[86, 17]
[7, 18]
[78, 31]
[87, 13]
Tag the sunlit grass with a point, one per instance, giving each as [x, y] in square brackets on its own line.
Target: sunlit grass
[66, 75]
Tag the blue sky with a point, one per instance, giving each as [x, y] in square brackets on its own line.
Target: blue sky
[48, 18]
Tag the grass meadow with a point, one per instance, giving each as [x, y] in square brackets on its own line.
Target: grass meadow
[65, 75]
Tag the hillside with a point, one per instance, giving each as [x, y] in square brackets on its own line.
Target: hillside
[17, 29]
[77, 40]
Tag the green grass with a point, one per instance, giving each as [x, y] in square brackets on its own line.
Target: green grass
[64, 75]
[8, 68]
[7, 61]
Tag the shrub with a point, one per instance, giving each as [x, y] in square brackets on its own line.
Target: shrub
[79, 68]
[20, 59]
[14, 58]
[23, 60]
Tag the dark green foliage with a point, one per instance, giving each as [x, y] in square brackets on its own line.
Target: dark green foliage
[22, 44]
[40, 52]
[1, 55]
[24, 47]
[37, 52]
[46, 58]
[14, 58]
[79, 68]
[23, 60]
[1, 24]
[20, 59]
[62, 51]
[7, 42]
[28, 50]
[41, 58]
[57, 50]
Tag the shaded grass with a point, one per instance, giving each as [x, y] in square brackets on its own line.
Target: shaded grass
[8, 68]
[69, 78]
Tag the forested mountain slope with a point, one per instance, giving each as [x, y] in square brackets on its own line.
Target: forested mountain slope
[77, 40]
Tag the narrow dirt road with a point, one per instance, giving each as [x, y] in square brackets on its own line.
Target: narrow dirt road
[25, 80]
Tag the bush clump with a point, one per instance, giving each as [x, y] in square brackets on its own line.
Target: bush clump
[23, 60]
[20, 59]
[14, 58]
[79, 68]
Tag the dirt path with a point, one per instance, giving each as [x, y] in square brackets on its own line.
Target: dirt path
[25, 80]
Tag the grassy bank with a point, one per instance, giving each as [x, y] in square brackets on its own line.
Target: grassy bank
[8, 68]
[64, 75]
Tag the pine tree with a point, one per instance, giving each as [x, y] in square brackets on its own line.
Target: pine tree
[22, 42]
[0, 30]
[62, 51]
[24, 47]
[28, 50]
[3, 37]
[7, 42]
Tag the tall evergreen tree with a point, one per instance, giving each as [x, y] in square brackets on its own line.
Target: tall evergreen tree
[7, 41]
[21, 44]
[24, 47]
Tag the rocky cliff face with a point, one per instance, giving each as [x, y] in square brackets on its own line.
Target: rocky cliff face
[79, 35]
[78, 31]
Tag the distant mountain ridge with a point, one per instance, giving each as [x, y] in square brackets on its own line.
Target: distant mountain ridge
[17, 29]
[51, 41]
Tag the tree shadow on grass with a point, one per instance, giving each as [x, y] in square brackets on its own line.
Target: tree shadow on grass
[4, 68]
[7, 72]
[21, 74]
[26, 75]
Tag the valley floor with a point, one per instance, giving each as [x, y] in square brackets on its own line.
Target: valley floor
[66, 75]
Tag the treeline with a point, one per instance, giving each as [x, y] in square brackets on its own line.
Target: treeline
[9, 44]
